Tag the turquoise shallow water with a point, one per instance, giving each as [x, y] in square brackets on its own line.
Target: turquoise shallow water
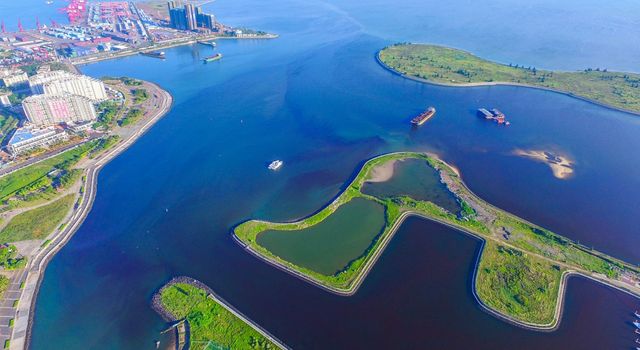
[317, 99]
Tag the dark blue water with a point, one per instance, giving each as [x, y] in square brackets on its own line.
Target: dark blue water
[317, 99]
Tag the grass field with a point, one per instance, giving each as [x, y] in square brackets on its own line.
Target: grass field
[445, 65]
[516, 284]
[37, 223]
[211, 325]
[520, 269]
[19, 179]
[4, 285]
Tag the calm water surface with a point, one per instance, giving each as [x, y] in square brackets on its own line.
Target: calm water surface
[329, 246]
[417, 179]
[317, 99]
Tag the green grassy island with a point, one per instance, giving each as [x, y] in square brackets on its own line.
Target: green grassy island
[520, 274]
[204, 321]
[448, 66]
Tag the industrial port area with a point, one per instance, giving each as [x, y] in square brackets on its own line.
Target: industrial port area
[111, 29]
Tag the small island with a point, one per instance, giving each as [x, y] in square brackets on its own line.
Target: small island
[519, 277]
[448, 66]
[202, 320]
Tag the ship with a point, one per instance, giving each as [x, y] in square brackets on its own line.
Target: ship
[154, 54]
[495, 115]
[637, 324]
[275, 165]
[637, 313]
[424, 116]
[207, 43]
[212, 58]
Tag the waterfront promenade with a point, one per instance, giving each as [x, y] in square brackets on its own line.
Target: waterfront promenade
[158, 105]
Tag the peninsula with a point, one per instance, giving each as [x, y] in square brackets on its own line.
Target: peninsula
[520, 274]
[448, 66]
[47, 192]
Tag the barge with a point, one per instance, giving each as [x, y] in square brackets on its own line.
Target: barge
[495, 115]
[212, 58]
[207, 43]
[154, 54]
[424, 116]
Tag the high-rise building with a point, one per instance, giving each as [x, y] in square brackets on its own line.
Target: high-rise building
[13, 77]
[58, 82]
[189, 17]
[207, 21]
[178, 18]
[190, 10]
[45, 110]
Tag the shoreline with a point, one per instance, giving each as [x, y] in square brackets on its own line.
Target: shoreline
[23, 326]
[500, 83]
[157, 306]
[380, 248]
[161, 46]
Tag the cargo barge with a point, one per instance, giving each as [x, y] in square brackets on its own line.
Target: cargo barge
[207, 43]
[212, 58]
[494, 115]
[154, 54]
[424, 116]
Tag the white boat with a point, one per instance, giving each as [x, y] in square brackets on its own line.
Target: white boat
[636, 323]
[275, 165]
[637, 313]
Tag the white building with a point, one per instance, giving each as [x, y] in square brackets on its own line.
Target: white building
[59, 82]
[13, 77]
[45, 110]
[30, 137]
[4, 99]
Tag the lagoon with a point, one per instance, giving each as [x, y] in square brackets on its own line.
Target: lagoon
[317, 99]
[330, 245]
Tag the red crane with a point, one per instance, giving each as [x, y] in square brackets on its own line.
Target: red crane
[38, 23]
[20, 28]
[54, 24]
[3, 28]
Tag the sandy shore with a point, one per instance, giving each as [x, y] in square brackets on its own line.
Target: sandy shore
[561, 165]
[382, 172]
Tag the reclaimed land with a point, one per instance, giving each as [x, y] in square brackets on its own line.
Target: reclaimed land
[156, 107]
[520, 275]
[211, 323]
[448, 66]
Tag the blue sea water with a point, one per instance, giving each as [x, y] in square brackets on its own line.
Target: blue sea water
[317, 99]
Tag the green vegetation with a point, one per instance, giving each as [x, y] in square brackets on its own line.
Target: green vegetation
[519, 272]
[139, 95]
[107, 113]
[130, 81]
[8, 123]
[131, 117]
[445, 65]
[37, 223]
[4, 285]
[41, 180]
[516, 284]
[9, 258]
[211, 324]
